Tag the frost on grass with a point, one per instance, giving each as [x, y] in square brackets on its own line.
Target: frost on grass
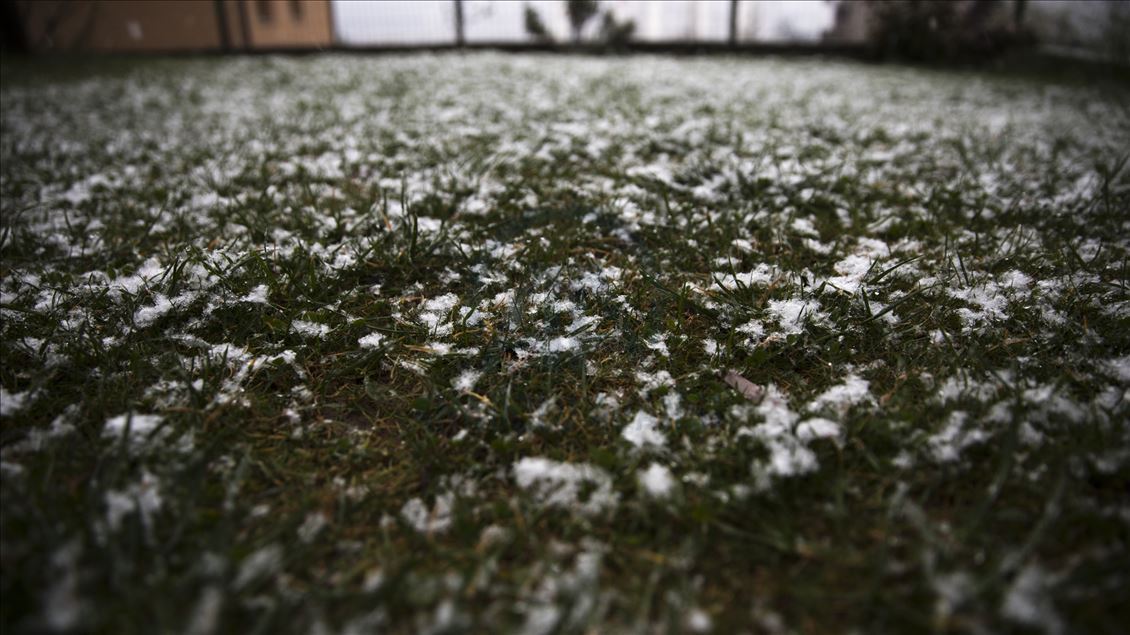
[11, 403]
[425, 520]
[313, 329]
[371, 341]
[644, 431]
[466, 380]
[792, 314]
[142, 498]
[313, 525]
[258, 295]
[657, 481]
[947, 444]
[258, 565]
[435, 311]
[840, 398]
[561, 345]
[1029, 601]
[578, 487]
[818, 428]
[135, 427]
[785, 441]
[745, 289]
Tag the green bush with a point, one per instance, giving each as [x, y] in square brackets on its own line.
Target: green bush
[943, 32]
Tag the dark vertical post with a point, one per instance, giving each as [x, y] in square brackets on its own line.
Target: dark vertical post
[222, 25]
[244, 26]
[733, 22]
[459, 23]
[12, 26]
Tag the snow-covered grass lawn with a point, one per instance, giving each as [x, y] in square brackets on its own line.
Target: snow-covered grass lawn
[562, 345]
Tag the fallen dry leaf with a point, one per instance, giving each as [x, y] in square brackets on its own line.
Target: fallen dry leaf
[745, 387]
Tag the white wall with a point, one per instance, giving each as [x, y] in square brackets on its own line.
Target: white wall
[378, 22]
[392, 22]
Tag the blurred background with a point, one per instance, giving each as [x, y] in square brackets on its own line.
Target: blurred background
[923, 30]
